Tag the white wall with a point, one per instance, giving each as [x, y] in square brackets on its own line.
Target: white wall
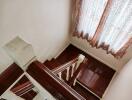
[121, 87]
[42, 23]
[101, 55]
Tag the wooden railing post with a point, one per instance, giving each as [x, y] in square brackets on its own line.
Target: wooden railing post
[80, 60]
[67, 73]
[59, 74]
[72, 80]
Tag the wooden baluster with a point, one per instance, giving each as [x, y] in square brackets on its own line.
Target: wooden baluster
[78, 65]
[74, 83]
[67, 73]
[72, 69]
[59, 74]
[72, 80]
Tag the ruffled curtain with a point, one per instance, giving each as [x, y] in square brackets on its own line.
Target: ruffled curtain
[104, 23]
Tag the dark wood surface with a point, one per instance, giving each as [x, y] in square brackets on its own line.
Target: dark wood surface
[23, 88]
[52, 63]
[94, 74]
[86, 94]
[9, 76]
[95, 79]
[23, 80]
[29, 95]
[52, 83]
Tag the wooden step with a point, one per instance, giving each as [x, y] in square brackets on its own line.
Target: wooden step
[24, 89]
[9, 76]
[53, 63]
[94, 80]
[29, 95]
[68, 54]
[23, 80]
[82, 91]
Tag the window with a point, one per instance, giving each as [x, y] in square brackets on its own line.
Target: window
[105, 24]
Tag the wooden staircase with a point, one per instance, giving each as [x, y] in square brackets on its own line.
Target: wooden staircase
[69, 73]
[58, 88]
[73, 75]
[91, 76]
[49, 81]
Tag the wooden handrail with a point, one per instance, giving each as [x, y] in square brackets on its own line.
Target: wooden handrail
[72, 69]
[64, 66]
[52, 83]
[23, 88]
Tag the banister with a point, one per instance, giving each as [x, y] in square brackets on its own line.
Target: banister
[64, 66]
[75, 67]
[79, 59]
[51, 82]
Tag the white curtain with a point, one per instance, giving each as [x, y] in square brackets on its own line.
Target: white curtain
[118, 26]
[91, 12]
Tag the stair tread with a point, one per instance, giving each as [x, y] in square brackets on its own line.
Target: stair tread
[86, 94]
[93, 80]
[53, 63]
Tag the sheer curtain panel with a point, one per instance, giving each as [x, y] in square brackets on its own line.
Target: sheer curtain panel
[105, 24]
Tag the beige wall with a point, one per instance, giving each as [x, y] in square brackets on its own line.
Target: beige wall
[101, 54]
[121, 87]
[42, 23]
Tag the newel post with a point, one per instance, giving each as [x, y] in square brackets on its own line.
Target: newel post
[77, 70]
[80, 60]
